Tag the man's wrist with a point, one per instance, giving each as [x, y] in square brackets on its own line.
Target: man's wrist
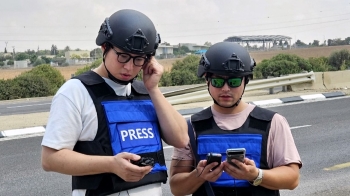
[257, 181]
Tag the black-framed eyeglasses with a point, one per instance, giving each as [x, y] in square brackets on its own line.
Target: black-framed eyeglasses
[138, 61]
[233, 82]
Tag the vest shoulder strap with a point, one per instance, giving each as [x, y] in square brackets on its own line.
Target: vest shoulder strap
[202, 115]
[193, 144]
[260, 118]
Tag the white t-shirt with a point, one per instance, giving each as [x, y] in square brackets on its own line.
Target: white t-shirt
[73, 118]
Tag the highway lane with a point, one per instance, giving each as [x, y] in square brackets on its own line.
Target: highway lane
[321, 132]
[25, 106]
[43, 104]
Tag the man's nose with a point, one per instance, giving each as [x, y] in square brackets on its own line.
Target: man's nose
[225, 87]
[129, 65]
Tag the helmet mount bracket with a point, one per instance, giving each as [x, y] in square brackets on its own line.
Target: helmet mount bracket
[137, 41]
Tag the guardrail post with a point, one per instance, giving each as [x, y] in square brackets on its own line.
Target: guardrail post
[271, 90]
[284, 88]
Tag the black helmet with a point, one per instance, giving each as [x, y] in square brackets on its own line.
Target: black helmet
[131, 31]
[228, 59]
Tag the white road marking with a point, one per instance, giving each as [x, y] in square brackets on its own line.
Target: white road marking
[302, 126]
[22, 106]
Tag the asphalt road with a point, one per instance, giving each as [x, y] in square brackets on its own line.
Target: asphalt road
[320, 129]
[43, 104]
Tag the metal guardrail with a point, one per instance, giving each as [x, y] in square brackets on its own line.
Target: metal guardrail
[200, 92]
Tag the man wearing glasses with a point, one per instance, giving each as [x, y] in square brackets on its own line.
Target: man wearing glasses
[256, 148]
[105, 128]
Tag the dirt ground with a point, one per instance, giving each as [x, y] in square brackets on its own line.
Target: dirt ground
[167, 63]
[68, 71]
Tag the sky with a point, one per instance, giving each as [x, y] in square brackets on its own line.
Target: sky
[33, 24]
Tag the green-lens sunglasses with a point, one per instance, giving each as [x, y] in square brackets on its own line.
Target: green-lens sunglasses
[220, 82]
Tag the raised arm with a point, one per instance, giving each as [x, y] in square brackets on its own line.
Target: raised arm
[173, 125]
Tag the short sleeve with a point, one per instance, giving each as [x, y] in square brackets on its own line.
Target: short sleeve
[281, 148]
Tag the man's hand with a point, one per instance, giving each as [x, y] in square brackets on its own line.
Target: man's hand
[243, 171]
[205, 171]
[128, 171]
[152, 72]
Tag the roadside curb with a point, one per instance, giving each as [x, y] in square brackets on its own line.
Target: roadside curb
[269, 102]
[300, 98]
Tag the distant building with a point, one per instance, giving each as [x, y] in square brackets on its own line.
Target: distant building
[78, 57]
[165, 52]
[21, 64]
[194, 47]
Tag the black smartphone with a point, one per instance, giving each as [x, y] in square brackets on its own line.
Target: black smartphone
[214, 157]
[235, 153]
[144, 161]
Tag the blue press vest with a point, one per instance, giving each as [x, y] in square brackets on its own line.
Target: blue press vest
[125, 124]
[252, 136]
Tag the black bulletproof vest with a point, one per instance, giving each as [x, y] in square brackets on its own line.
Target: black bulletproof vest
[107, 183]
[258, 122]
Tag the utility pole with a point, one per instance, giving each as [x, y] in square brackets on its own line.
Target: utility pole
[6, 46]
[13, 53]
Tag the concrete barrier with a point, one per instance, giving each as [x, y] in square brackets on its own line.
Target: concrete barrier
[326, 80]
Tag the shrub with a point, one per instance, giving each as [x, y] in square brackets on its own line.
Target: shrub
[31, 85]
[93, 65]
[53, 76]
[183, 72]
[38, 62]
[10, 62]
[282, 64]
[319, 64]
[6, 89]
[340, 59]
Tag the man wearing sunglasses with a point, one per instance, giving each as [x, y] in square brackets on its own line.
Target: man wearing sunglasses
[271, 161]
[105, 128]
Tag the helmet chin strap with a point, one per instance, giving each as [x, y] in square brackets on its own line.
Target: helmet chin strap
[110, 76]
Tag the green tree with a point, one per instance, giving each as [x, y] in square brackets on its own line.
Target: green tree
[93, 65]
[21, 56]
[85, 55]
[75, 56]
[38, 61]
[67, 48]
[316, 43]
[300, 43]
[207, 44]
[10, 62]
[54, 50]
[181, 50]
[33, 58]
[46, 59]
[347, 41]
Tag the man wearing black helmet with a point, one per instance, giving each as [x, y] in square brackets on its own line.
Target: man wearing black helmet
[271, 161]
[106, 128]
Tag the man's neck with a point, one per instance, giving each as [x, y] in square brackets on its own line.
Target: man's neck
[241, 106]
